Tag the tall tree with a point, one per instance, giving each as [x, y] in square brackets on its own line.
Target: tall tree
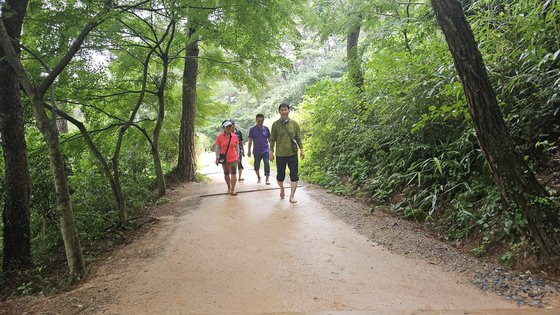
[186, 164]
[241, 42]
[349, 18]
[514, 178]
[353, 55]
[50, 134]
[166, 59]
[16, 241]
[36, 94]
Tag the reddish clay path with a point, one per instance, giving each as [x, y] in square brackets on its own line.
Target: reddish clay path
[256, 253]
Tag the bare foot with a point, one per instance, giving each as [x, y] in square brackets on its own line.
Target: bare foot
[282, 195]
[292, 200]
[259, 181]
[242, 179]
[233, 193]
[267, 182]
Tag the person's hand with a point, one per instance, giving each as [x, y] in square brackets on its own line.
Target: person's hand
[271, 157]
[217, 161]
[249, 154]
[302, 154]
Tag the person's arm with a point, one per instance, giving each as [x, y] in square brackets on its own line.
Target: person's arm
[237, 148]
[217, 151]
[272, 141]
[249, 147]
[299, 142]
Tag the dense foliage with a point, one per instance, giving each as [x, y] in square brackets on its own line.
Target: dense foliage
[407, 139]
[131, 63]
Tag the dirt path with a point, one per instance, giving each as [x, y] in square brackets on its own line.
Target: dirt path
[256, 253]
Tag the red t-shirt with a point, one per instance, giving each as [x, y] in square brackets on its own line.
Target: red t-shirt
[222, 141]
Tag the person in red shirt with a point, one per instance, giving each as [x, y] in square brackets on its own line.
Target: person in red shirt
[228, 145]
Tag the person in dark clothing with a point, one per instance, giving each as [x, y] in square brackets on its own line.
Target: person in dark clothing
[241, 149]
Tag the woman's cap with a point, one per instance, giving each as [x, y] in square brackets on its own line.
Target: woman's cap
[226, 123]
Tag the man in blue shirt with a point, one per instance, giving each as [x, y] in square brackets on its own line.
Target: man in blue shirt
[260, 135]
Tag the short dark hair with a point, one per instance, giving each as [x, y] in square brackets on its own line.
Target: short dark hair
[284, 105]
[259, 115]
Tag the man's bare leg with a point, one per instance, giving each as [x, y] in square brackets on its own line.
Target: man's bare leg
[258, 176]
[293, 187]
[282, 194]
[267, 181]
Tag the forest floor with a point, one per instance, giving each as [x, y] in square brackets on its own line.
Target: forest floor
[204, 251]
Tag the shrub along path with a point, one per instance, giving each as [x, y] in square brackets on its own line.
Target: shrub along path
[256, 253]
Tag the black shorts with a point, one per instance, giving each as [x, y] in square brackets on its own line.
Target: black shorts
[292, 162]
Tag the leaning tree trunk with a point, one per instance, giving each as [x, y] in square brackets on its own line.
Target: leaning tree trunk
[119, 195]
[103, 164]
[514, 178]
[186, 165]
[16, 241]
[48, 129]
[121, 201]
[67, 222]
[160, 178]
[354, 60]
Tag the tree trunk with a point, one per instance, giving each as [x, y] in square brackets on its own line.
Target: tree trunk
[354, 60]
[514, 178]
[104, 165]
[157, 130]
[49, 132]
[405, 31]
[67, 221]
[160, 178]
[121, 205]
[186, 165]
[17, 240]
[121, 201]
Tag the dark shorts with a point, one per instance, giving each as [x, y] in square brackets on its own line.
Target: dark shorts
[292, 163]
[230, 168]
[264, 157]
[239, 164]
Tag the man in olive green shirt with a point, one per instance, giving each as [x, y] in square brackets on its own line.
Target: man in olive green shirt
[285, 140]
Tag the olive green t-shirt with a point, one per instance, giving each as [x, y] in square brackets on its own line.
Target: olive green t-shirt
[281, 135]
